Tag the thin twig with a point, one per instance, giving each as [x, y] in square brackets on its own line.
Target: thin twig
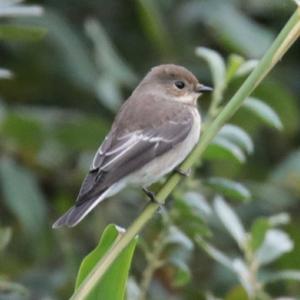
[153, 263]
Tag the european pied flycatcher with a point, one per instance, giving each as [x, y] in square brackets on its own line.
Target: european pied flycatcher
[154, 131]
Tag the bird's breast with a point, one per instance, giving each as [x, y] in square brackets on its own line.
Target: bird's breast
[165, 163]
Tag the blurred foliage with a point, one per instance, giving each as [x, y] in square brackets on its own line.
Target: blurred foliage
[64, 73]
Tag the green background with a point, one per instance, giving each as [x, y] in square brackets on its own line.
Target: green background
[56, 110]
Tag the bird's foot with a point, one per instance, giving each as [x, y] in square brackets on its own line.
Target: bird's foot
[184, 173]
[152, 197]
[150, 194]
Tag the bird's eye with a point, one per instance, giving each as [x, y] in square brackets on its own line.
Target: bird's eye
[179, 84]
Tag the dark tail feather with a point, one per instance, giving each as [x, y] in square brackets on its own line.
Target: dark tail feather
[76, 213]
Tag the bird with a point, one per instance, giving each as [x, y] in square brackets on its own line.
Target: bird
[153, 132]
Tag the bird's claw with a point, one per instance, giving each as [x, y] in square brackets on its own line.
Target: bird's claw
[150, 194]
[184, 173]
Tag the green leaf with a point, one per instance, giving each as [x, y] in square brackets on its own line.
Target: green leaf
[239, 32]
[272, 197]
[237, 293]
[215, 253]
[193, 207]
[13, 289]
[81, 134]
[264, 112]
[108, 91]
[275, 244]
[11, 9]
[245, 68]
[229, 188]
[23, 196]
[210, 296]
[108, 60]
[154, 26]
[133, 289]
[244, 275]
[5, 237]
[5, 74]
[279, 219]
[283, 101]
[176, 236]
[197, 204]
[114, 72]
[71, 51]
[179, 249]
[230, 220]
[230, 26]
[237, 136]
[23, 131]
[113, 284]
[5, 3]
[258, 232]
[282, 275]
[287, 173]
[21, 32]
[217, 67]
[221, 148]
[182, 273]
[233, 64]
[3, 113]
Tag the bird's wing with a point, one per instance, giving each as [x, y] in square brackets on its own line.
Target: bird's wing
[122, 154]
[142, 146]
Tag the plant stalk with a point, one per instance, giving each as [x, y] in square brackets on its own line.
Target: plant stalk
[153, 263]
[288, 35]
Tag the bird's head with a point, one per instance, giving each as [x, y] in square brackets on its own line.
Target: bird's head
[174, 82]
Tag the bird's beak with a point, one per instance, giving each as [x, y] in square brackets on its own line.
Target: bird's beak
[201, 88]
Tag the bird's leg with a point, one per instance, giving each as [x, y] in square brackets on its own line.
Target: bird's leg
[150, 194]
[186, 173]
[152, 197]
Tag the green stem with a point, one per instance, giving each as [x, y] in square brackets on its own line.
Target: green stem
[282, 43]
[153, 263]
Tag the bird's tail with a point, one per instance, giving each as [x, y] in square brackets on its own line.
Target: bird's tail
[78, 212]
